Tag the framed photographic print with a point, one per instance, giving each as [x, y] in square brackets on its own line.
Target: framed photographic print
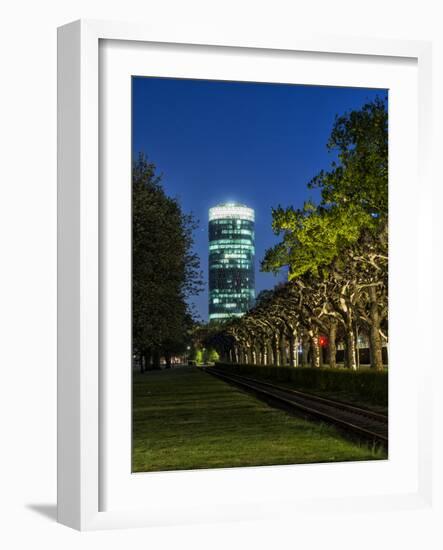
[235, 250]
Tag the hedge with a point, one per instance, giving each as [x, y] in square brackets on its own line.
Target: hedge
[366, 385]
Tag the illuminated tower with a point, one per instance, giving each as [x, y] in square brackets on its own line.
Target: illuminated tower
[231, 260]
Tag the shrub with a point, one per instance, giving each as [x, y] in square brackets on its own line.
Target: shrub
[367, 385]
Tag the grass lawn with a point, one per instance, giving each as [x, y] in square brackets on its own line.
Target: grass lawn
[184, 418]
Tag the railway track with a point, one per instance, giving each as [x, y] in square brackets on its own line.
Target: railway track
[357, 421]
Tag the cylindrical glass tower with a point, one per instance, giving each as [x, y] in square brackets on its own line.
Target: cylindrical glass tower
[231, 260]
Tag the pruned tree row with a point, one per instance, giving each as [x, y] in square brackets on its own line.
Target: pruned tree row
[336, 257]
[312, 309]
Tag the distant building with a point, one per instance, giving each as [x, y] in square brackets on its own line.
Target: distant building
[231, 260]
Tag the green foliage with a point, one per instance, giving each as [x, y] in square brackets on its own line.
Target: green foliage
[360, 175]
[354, 197]
[205, 355]
[336, 255]
[313, 237]
[211, 356]
[165, 270]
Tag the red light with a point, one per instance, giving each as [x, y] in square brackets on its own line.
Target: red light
[323, 341]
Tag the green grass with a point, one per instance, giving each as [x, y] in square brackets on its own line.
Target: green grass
[185, 419]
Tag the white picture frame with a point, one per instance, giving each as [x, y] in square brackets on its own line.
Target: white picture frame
[80, 394]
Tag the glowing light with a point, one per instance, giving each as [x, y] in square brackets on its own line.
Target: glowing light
[231, 260]
[231, 210]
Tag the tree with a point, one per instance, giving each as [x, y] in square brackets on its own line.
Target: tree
[211, 355]
[336, 254]
[359, 176]
[322, 241]
[370, 258]
[313, 237]
[354, 196]
[165, 270]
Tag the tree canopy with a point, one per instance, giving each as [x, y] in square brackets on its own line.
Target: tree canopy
[354, 197]
[165, 270]
[336, 254]
[360, 173]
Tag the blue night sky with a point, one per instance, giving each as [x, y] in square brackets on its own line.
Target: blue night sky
[258, 144]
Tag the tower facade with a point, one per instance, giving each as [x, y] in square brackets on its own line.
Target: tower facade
[231, 260]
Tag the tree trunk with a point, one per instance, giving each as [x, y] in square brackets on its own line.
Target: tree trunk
[305, 351]
[168, 360]
[332, 346]
[282, 350]
[315, 348]
[351, 357]
[293, 349]
[156, 360]
[146, 359]
[265, 353]
[254, 354]
[278, 351]
[261, 353]
[275, 350]
[374, 335]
